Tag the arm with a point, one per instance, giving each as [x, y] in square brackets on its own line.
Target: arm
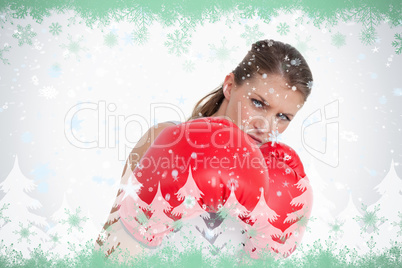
[113, 234]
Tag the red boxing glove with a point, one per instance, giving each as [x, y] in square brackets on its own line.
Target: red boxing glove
[203, 165]
[290, 197]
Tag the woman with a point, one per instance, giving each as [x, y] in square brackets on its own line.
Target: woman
[261, 96]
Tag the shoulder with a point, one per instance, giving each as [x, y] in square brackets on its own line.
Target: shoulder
[148, 138]
[161, 126]
[143, 144]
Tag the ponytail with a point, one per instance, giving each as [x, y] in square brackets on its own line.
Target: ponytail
[213, 102]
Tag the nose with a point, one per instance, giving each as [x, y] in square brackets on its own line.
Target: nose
[261, 127]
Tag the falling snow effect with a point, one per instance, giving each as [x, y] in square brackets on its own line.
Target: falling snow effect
[274, 136]
[310, 84]
[295, 62]
[24, 35]
[48, 93]
[311, 256]
[349, 136]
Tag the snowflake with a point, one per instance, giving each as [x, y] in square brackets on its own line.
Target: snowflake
[142, 230]
[74, 220]
[55, 70]
[338, 40]
[24, 35]
[274, 136]
[188, 66]
[310, 84]
[336, 228]
[283, 28]
[74, 47]
[397, 43]
[370, 219]
[349, 136]
[5, 49]
[141, 36]
[189, 202]
[398, 224]
[287, 157]
[24, 233]
[221, 53]
[55, 238]
[270, 42]
[251, 34]
[48, 92]
[303, 46]
[397, 92]
[150, 189]
[55, 28]
[128, 39]
[368, 36]
[110, 40]
[4, 219]
[232, 184]
[177, 43]
[295, 62]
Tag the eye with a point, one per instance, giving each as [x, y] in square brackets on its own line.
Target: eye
[257, 103]
[283, 117]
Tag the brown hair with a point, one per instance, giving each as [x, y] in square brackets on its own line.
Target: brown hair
[265, 56]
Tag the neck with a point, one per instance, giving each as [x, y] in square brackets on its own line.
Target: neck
[222, 109]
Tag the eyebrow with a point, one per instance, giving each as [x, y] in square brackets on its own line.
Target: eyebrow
[268, 103]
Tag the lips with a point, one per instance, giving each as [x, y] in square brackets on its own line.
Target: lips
[254, 138]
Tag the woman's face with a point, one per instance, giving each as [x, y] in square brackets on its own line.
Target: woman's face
[261, 105]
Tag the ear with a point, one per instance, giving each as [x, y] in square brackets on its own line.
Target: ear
[228, 85]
